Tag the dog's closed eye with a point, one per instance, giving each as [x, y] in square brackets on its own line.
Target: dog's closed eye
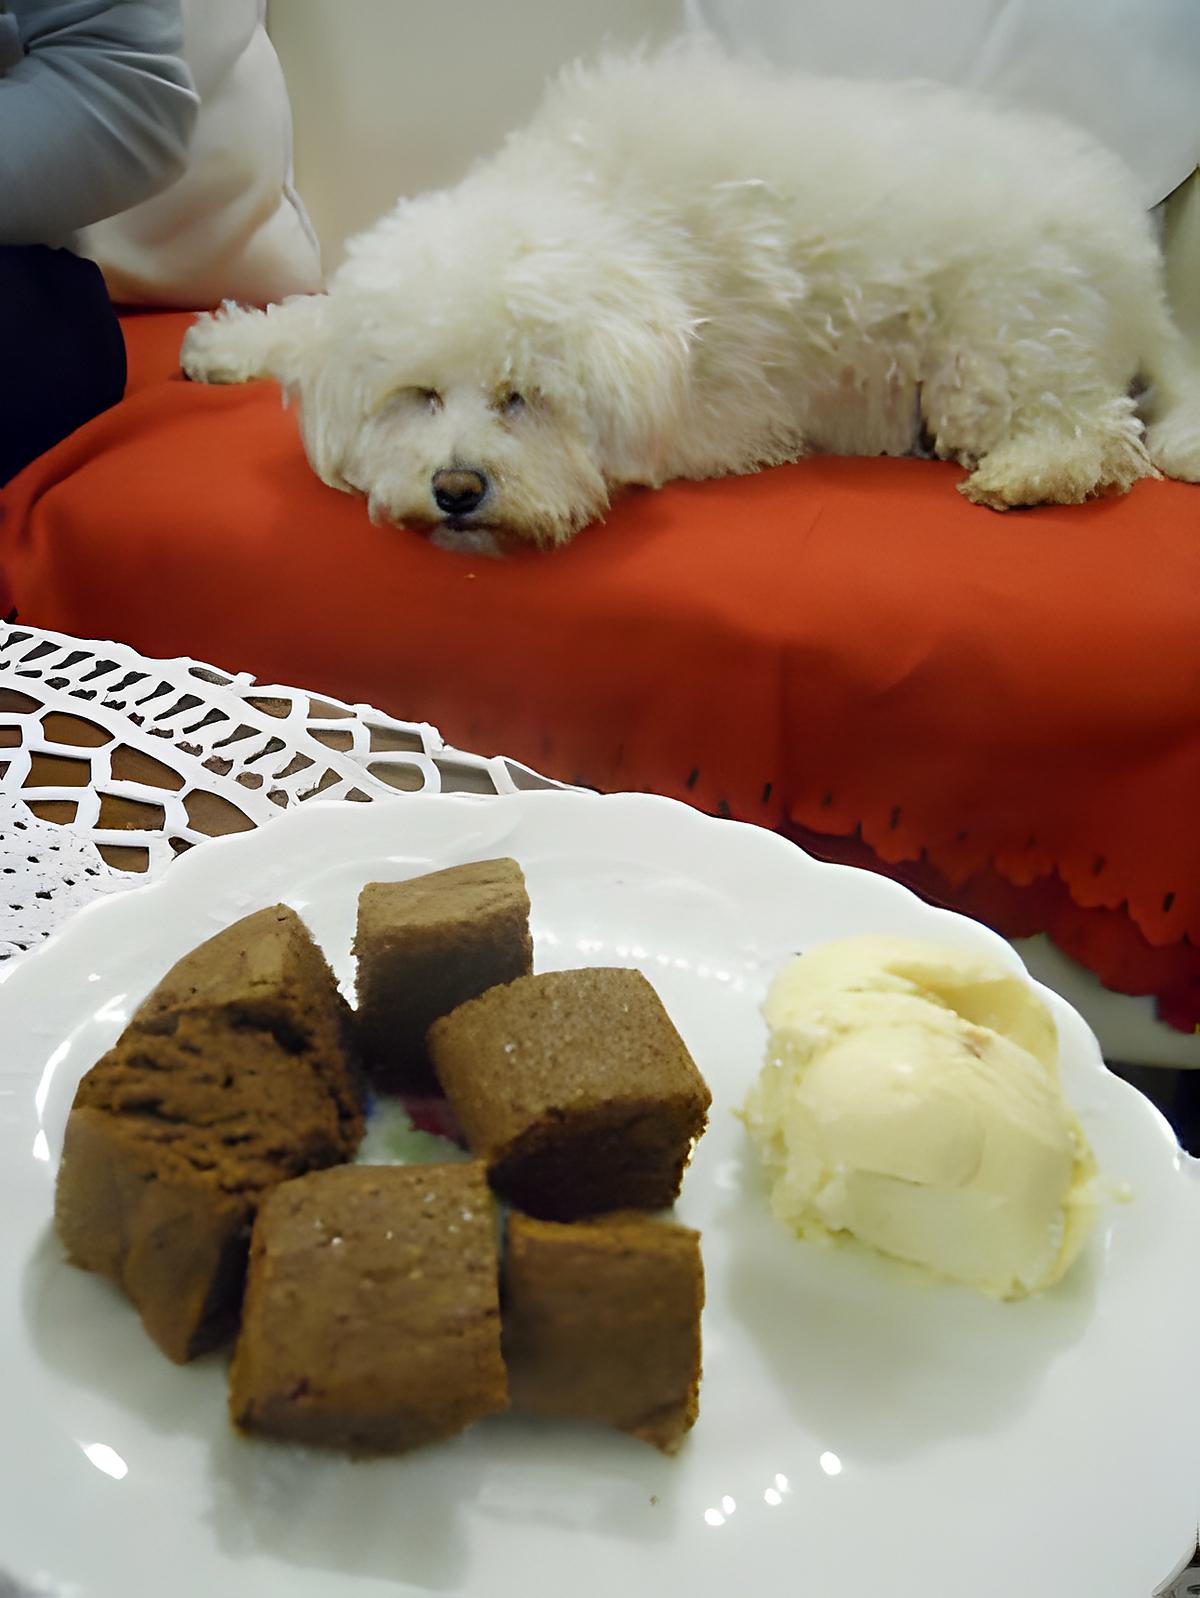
[408, 399]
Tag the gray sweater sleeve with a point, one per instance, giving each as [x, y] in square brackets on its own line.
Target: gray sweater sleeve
[96, 109]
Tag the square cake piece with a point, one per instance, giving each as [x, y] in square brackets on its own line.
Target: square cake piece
[372, 1318]
[423, 947]
[575, 1090]
[172, 1139]
[266, 973]
[602, 1323]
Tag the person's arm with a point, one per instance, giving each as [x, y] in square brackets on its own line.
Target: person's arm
[96, 109]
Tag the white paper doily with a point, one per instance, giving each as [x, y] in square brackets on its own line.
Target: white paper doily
[112, 764]
[46, 873]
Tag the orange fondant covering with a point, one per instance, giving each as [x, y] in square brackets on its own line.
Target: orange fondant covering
[1003, 711]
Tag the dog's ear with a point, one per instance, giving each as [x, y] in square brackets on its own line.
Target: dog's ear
[328, 423]
[618, 354]
[312, 361]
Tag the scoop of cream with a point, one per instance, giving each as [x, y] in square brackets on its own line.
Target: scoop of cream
[910, 1097]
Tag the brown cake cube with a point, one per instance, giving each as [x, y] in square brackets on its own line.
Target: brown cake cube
[372, 1318]
[172, 1140]
[602, 1323]
[575, 1090]
[265, 973]
[424, 946]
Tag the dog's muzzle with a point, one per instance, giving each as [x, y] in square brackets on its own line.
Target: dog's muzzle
[460, 490]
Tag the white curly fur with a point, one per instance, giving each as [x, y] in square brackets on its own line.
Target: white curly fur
[688, 267]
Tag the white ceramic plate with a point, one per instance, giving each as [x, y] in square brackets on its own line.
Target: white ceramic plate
[862, 1430]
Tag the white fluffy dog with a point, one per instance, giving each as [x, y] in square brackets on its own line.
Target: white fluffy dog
[687, 267]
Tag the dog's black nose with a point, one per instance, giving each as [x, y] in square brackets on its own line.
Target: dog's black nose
[459, 491]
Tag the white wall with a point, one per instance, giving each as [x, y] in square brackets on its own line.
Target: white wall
[395, 96]
[1126, 70]
[1181, 242]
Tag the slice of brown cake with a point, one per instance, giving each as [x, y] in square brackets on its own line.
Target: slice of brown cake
[426, 945]
[602, 1323]
[171, 1142]
[575, 1090]
[372, 1317]
[265, 973]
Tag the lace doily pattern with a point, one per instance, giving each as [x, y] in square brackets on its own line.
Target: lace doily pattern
[112, 764]
[46, 873]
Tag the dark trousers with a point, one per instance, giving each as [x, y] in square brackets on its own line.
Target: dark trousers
[62, 357]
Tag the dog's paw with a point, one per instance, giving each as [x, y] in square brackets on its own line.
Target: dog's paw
[997, 487]
[1051, 469]
[214, 352]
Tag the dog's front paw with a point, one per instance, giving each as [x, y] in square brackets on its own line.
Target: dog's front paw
[1058, 468]
[216, 350]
